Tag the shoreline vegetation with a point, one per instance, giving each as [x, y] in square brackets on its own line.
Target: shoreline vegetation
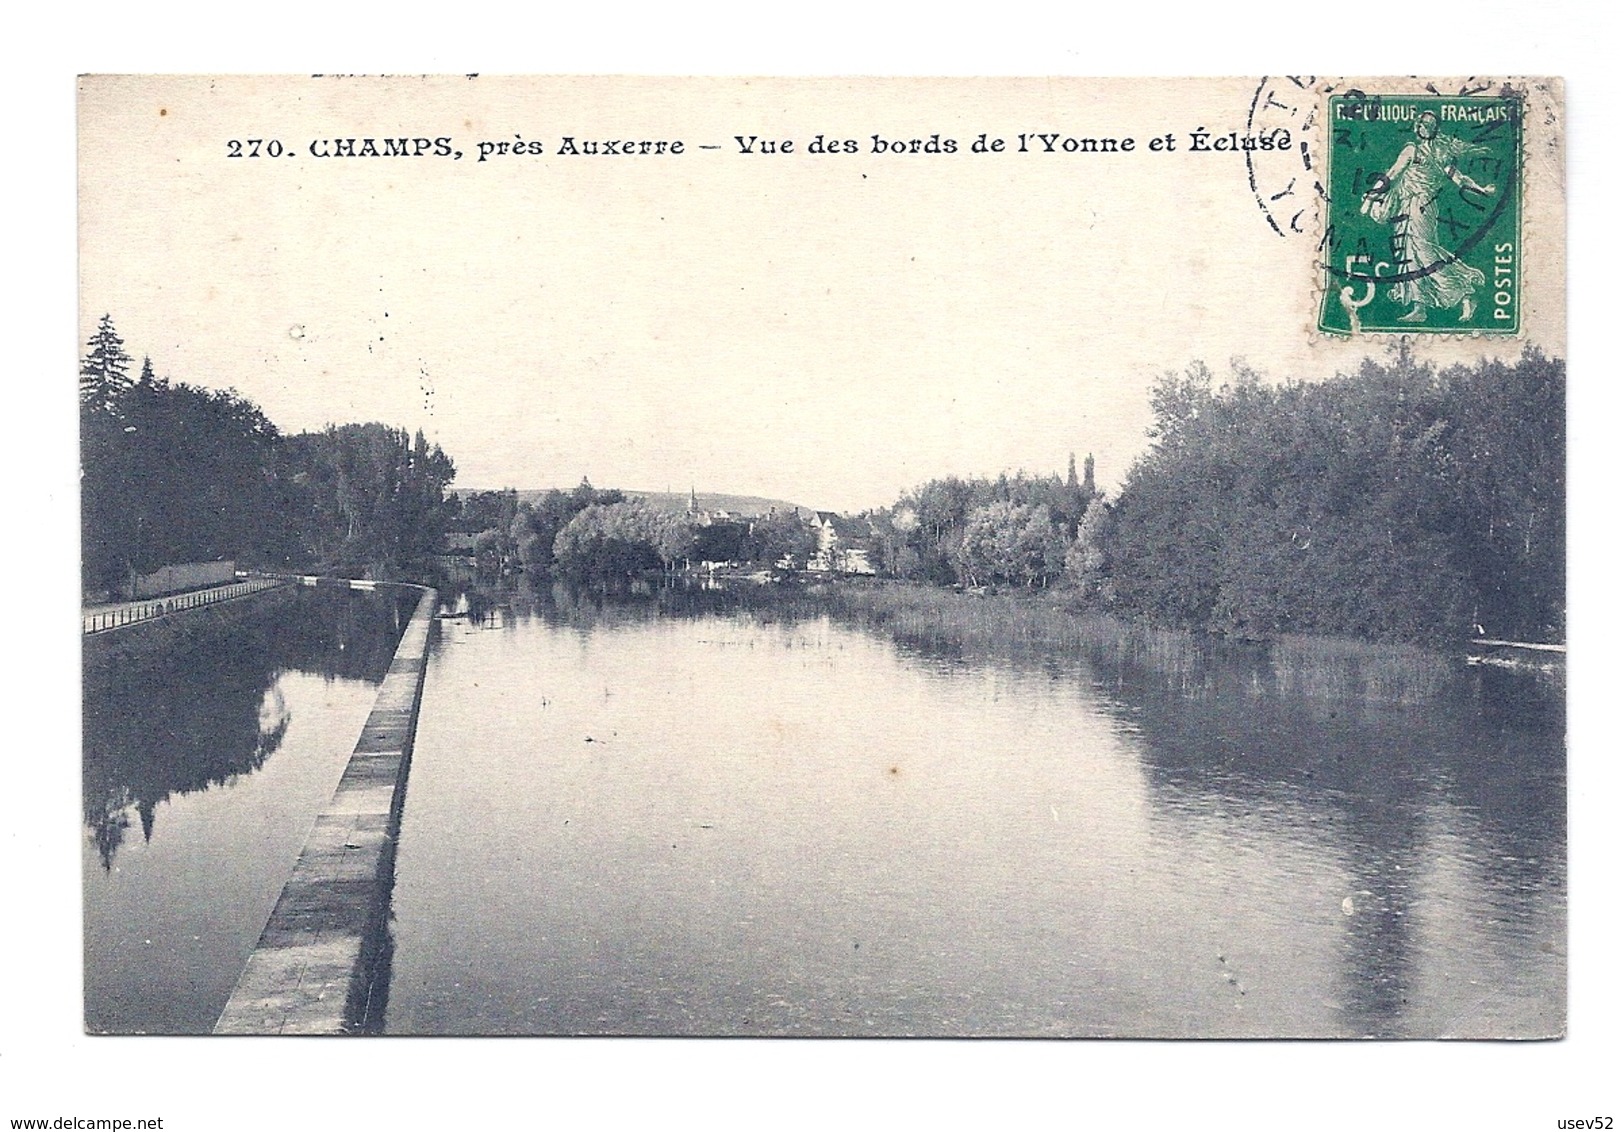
[1044, 629]
[1408, 507]
[1310, 667]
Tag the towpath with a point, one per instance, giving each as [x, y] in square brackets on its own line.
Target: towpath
[114, 615]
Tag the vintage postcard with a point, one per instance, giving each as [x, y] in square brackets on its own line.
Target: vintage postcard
[1053, 558]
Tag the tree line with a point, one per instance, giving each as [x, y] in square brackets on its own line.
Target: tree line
[1398, 502]
[173, 472]
[1018, 530]
[602, 535]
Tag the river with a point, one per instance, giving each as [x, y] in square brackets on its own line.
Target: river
[205, 764]
[722, 816]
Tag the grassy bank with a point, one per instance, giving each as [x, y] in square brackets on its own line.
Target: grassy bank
[1029, 624]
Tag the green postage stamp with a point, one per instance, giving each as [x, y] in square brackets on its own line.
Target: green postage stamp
[1423, 221]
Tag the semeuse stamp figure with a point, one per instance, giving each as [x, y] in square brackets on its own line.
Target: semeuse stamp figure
[1406, 196]
[1433, 231]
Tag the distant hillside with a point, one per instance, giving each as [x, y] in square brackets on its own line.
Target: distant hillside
[677, 501]
[715, 501]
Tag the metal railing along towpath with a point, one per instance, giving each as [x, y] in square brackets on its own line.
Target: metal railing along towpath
[101, 620]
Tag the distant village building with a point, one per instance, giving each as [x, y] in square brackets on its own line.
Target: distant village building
[704, 517]
[843, 544]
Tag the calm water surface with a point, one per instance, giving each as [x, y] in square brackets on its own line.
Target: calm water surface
[734, 822]
[204, 768]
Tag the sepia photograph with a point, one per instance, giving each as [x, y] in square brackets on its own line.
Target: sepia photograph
[819, 557]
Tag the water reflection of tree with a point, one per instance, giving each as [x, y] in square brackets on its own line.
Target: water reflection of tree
[563, 604]
[1364, 782]
[1350, 748]
[1353, 749]
[181, 719]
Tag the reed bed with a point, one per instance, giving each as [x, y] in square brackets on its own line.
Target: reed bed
[1341, 668]
[1022, 625]
[1040, 627]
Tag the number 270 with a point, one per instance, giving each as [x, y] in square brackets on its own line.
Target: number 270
[254, 147]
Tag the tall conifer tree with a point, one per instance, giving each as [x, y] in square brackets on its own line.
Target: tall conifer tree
[104, 374]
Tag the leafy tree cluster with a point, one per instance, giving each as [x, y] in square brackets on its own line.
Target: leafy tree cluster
[172, 472]
[600, 533]
[483, 511]
[621, 538]
[779, 537]
[1012, 529]
[367, 497]
[169, 472]
[535, 525]
[488, 516]
[615, 541]
[1011, 542]
[782, 537]
[725, 540]
[1397, 502]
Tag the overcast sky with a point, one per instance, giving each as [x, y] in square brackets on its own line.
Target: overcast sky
[826, 329]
